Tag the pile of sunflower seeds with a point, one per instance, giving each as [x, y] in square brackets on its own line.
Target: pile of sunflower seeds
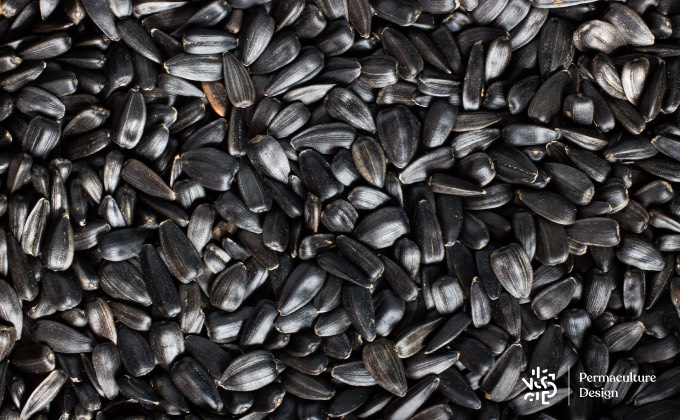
[339, 208]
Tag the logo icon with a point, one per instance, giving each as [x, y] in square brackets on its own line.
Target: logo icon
[542, 384]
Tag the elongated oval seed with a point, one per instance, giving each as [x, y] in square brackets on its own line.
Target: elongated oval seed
[240, 88]
[249, 372]
[513, 269]
[383, 364]
[146, 180]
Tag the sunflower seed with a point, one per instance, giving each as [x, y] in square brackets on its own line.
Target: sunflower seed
[381, 361]
[398, 130]
[382, 227]
[44, 393]
[513, 269]
[181, 257]
[61, 338]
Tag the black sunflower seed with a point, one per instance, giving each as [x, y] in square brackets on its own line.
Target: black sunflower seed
[181, 257]
[513, 269]
[382, 227]
[383, 364]
[62, 338]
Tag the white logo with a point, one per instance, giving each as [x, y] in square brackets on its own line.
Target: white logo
[542, 384]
